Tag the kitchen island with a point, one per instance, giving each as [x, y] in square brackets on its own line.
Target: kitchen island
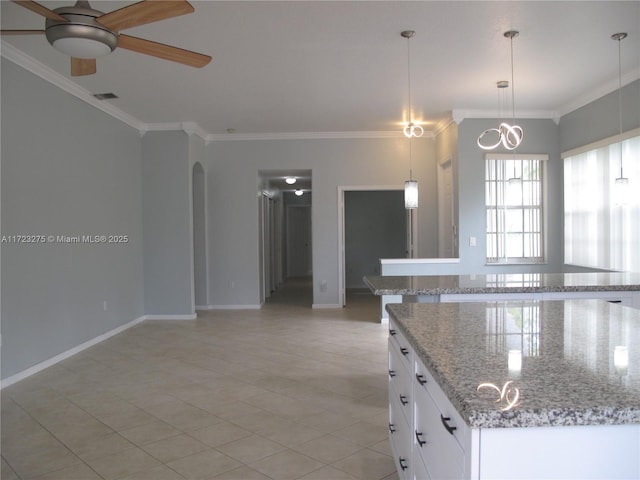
[515, 389]
[617, 287]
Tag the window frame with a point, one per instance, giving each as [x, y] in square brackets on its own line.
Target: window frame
[541, 206]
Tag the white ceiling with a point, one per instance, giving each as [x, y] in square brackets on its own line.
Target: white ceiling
[332, 66]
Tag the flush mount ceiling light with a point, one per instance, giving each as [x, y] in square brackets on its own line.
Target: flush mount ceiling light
[411, 130]
[622, 182]
[509, 136]
[290, 180]
[299, 192]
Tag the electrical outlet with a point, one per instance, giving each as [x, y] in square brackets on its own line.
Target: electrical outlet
[472, 241]
[323, 286]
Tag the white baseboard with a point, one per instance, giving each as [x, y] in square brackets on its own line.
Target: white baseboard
[234, 307]
[191, 316]
[326, 305]
[64, 355]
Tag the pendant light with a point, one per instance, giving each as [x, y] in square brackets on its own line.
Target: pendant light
[622, 182]
[410, 131]
[509, 136]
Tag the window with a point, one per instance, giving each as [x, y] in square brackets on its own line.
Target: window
[599, 232]
[514, 198]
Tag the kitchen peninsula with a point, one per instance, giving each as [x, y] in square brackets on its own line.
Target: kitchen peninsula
[515, 389]
[617, 287]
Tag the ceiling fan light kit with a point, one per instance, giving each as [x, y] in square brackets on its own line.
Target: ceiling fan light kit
[81, 36]
[84, 33]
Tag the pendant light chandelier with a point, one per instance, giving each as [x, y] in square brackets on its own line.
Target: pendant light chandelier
[410, 131]
[509, 136]
[622, 182]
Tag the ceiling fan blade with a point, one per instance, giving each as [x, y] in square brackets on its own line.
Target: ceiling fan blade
[167, 52]
[147, 11]
[40, 10]
[82, 66]
[21, 32]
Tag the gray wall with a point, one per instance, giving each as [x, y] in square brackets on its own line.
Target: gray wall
[167, 224]
[233, 224]
[375, 228]
[67, 169]
[600, 119]
[541, 137]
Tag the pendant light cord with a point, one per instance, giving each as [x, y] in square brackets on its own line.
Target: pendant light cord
[513, 94]
[409, 77]
[620, 100]
[410, 104]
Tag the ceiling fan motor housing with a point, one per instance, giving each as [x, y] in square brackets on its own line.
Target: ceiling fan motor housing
[82, 36]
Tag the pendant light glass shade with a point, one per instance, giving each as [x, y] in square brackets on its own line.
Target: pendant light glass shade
[410, 194]
[621, 191]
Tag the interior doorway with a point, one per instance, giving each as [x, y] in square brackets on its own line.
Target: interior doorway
[285, 251]
[199, 237]
[372, 224]
[298, 241]
[446, 226]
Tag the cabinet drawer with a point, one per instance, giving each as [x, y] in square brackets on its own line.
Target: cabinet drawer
[425, 384]
[399, 438]
[397, 338]
[400, 386]
[434, 440]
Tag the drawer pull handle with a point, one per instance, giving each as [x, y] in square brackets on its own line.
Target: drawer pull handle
[421, 443]
[445, 421]
[403, 400]
[392, 373]
[404, 351]
[392, 332]
[421, 379]
[392, 428]
[403, 463]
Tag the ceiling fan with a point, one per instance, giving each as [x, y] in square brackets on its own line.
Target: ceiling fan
[85, 33]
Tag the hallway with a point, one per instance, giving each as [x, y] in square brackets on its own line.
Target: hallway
[285, 392]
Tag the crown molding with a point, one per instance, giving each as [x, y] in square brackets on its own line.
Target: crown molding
[14, 55]
[307, 136]
[459, 115]
[190, 128]
[599, 92]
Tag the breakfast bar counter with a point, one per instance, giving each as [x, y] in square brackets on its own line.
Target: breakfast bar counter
[515, 389]
[620, 287]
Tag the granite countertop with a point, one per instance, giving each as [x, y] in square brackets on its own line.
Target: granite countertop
[503, 283]
[579, 359]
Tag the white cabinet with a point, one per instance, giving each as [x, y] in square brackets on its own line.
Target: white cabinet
[440, 436]
[431, 441]
[400, 400]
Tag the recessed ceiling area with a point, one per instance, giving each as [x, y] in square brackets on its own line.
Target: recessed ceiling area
[316, 66]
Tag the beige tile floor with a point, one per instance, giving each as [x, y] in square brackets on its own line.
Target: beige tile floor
[286, 392]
